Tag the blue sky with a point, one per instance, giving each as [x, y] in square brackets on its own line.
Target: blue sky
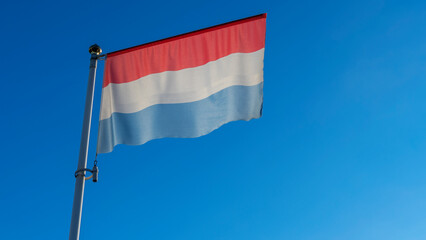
[338, 154]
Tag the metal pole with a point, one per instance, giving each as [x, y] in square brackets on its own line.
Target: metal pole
[94, 50]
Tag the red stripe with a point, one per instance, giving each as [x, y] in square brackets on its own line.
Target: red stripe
[186, 51]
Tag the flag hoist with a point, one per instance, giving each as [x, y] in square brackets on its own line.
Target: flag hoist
[183, 87]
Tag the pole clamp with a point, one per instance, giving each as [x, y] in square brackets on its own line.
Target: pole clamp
[94, 171]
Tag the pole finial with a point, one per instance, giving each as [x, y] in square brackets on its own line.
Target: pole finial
[95, 49]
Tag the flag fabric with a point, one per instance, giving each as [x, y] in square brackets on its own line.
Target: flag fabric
[184, 86]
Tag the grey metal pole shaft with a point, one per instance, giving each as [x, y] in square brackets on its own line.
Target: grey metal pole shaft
[94, 50]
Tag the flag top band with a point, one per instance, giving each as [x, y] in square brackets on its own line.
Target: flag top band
[188, 50]
[184, 35]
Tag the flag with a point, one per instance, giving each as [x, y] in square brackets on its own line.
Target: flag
[184, 86]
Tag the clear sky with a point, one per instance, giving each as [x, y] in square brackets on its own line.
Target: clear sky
[338, 154]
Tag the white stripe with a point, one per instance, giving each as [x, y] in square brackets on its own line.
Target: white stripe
[186, 85]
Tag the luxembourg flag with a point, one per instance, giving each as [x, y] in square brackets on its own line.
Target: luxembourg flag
[184, 86]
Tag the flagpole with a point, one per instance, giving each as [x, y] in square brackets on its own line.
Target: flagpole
[94, 50]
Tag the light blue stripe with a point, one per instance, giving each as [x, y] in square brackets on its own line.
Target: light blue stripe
[181, 120]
